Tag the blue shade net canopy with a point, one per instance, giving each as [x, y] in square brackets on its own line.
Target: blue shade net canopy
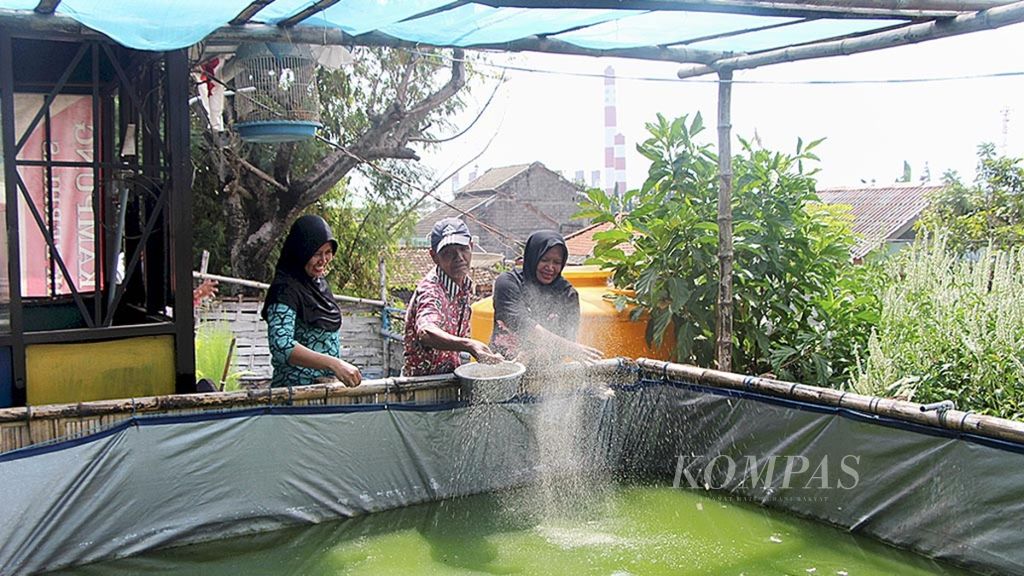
[277, 90]
[708, 33]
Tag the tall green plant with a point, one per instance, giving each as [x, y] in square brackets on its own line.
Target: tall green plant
[989, 212]
[951, 328]
[213, 347]
[800, 309]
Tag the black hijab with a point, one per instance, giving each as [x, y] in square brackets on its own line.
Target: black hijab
[519, 297]
[311, 298]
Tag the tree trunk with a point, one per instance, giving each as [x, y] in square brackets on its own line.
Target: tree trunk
[260, 204]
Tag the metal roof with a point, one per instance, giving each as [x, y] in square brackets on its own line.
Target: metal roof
[494, 178]
[715, 34]
[880, 213]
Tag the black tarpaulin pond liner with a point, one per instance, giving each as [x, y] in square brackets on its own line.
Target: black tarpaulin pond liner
[190, 474]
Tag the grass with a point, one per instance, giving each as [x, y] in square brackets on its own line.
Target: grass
[213, 344]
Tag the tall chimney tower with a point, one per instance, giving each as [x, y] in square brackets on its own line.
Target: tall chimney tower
[609, 130]
[620, 165]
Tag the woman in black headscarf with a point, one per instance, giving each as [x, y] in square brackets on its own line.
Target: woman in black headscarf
[536, 310]
[302, 317]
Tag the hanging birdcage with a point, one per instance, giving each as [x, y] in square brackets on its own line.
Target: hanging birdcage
[282, 104]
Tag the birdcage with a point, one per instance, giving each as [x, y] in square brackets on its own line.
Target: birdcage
[282, 104]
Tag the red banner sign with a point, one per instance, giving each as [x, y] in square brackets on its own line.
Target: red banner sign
[73, 228]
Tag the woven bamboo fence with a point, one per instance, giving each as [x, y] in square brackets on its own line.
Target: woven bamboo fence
[362, 343]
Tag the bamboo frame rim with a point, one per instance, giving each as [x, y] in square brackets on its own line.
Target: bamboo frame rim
[283, 396]
[901, 410]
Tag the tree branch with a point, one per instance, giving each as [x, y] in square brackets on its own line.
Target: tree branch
[283, 162]
[471, 124]
[257, 172]
[400, 153]
[451, 88]
[410, 124]
[386, 139]
[403, 86]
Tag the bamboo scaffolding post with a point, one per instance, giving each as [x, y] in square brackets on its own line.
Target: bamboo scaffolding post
[989, 19]
[723, 319]
[793, 8]
[901, 410]
[385, 323]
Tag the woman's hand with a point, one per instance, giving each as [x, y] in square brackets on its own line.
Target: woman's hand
[346, 373]
[586, 354]
[208, 289]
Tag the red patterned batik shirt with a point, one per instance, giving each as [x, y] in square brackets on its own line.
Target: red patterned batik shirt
[440, 302]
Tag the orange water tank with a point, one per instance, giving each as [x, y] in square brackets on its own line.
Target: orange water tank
[601, 325]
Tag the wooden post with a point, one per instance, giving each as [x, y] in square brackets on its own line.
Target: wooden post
[723, 324]
[385, 323]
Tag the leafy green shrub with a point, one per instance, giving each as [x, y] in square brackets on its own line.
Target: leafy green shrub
[214, 342]
[951, 328]
[801, 309]
[989, 212]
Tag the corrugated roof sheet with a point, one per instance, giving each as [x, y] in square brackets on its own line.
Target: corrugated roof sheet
[879, 213]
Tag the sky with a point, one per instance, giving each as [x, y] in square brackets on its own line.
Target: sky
[556, 117]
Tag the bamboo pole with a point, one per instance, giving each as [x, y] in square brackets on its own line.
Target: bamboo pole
[327, 36]
[956, 420]
[25, 426]
[723, 320]
[384, 320]
[985, 20]
[264, 286]
[221, 400]
[227, 363]
[794, 8]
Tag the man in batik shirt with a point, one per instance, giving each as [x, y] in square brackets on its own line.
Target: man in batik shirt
[437, 320]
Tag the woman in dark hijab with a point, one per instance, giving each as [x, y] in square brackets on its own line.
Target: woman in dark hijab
[536, 310]
[302, 317]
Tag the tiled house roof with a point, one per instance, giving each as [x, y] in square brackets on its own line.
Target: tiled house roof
[411, 265]
[581, 243]
[880, 214]
[507, 204]
[414, 263]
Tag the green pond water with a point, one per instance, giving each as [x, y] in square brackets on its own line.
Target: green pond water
[626, 530]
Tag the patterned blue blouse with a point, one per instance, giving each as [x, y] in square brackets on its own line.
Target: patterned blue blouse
[284, 331]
